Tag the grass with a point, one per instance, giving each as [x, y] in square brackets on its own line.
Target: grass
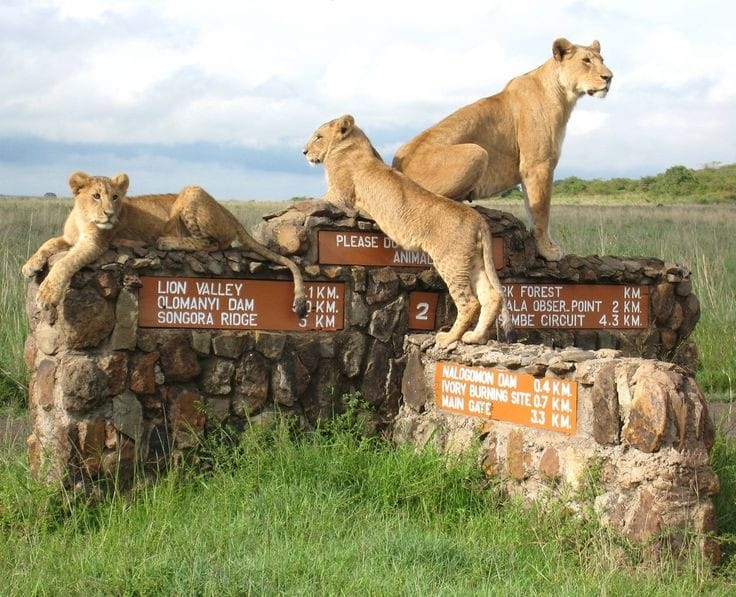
[332, 513]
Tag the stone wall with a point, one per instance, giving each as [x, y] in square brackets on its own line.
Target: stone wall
[108, 394]
[635, 438]
[673, 311]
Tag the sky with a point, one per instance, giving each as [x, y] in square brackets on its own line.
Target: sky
[225, 94]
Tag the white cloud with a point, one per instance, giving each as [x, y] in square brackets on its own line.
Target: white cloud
[585, 122]
[265, 74]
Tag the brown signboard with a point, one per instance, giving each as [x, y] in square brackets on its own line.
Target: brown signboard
[541, 402]
[375, 248]
[236, 304]
[578, 306]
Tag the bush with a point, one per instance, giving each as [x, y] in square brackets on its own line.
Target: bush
[677, 180]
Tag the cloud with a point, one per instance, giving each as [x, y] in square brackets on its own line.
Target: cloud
[234, 89]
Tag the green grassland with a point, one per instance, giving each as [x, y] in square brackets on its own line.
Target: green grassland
[330, 514]
[337, 513]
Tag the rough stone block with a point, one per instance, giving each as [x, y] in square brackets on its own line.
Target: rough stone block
[640, 448]
[142, 373]
[178, 359]
[86, 318]
[251, 385]
[606, 422]
[126, 321]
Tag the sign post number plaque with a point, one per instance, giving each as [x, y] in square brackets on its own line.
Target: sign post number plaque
[238, 304]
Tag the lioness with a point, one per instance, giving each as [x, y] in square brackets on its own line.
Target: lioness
[102, 215]
[455, 236]
[509, 138]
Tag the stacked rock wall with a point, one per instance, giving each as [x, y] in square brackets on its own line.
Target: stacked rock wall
[633, 434]
[656, 310]
[137, 362]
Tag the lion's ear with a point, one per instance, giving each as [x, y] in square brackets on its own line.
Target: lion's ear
[78, 181]
[596, 46]
[121, 181]
[346, 124]
[560, 47]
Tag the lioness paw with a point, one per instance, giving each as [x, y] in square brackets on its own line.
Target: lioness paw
[550, 251]
[474, 337]
[444, 339]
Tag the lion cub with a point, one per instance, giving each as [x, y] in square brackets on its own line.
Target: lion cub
[455, 236]
[103, 216]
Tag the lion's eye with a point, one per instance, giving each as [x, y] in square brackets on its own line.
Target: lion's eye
[96, 196]
[317, 137]
[587, 60]
[114, 197]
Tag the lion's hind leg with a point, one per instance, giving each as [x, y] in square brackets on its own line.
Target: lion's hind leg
[193, 224]
[467, 307]
[490, 307]
[450, 170]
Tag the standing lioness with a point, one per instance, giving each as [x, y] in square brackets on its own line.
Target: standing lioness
[102, 215]
[513, 137]
[455, 236]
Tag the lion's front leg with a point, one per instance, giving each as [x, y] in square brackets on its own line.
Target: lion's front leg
[340, 197]
[52, 288]
[38, 260]
[537, 188]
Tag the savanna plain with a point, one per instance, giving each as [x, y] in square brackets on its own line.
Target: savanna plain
[340, 512]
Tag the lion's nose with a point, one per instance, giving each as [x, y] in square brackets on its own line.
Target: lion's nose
[304, 151]
[607, 78]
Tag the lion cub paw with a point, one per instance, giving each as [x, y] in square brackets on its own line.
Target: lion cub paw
[49, 294]
[33, 266]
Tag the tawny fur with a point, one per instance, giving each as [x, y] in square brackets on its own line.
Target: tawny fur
[455, 236]
[103, 216]
[509, 138]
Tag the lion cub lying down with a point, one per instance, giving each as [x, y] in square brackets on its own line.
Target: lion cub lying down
[455, 236]
[102, 215]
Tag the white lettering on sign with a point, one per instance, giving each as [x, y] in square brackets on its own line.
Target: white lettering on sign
[237, 304]
[547, 403]
[362, 241]
[577, 306]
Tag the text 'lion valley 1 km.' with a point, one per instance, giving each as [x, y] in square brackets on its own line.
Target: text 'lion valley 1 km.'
[238, 304]
[542, 402]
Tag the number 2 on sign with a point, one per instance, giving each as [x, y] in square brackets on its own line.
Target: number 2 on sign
[422, 311]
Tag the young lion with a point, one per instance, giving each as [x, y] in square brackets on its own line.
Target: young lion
[102, 215]
[509, 138]
[455, 236]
